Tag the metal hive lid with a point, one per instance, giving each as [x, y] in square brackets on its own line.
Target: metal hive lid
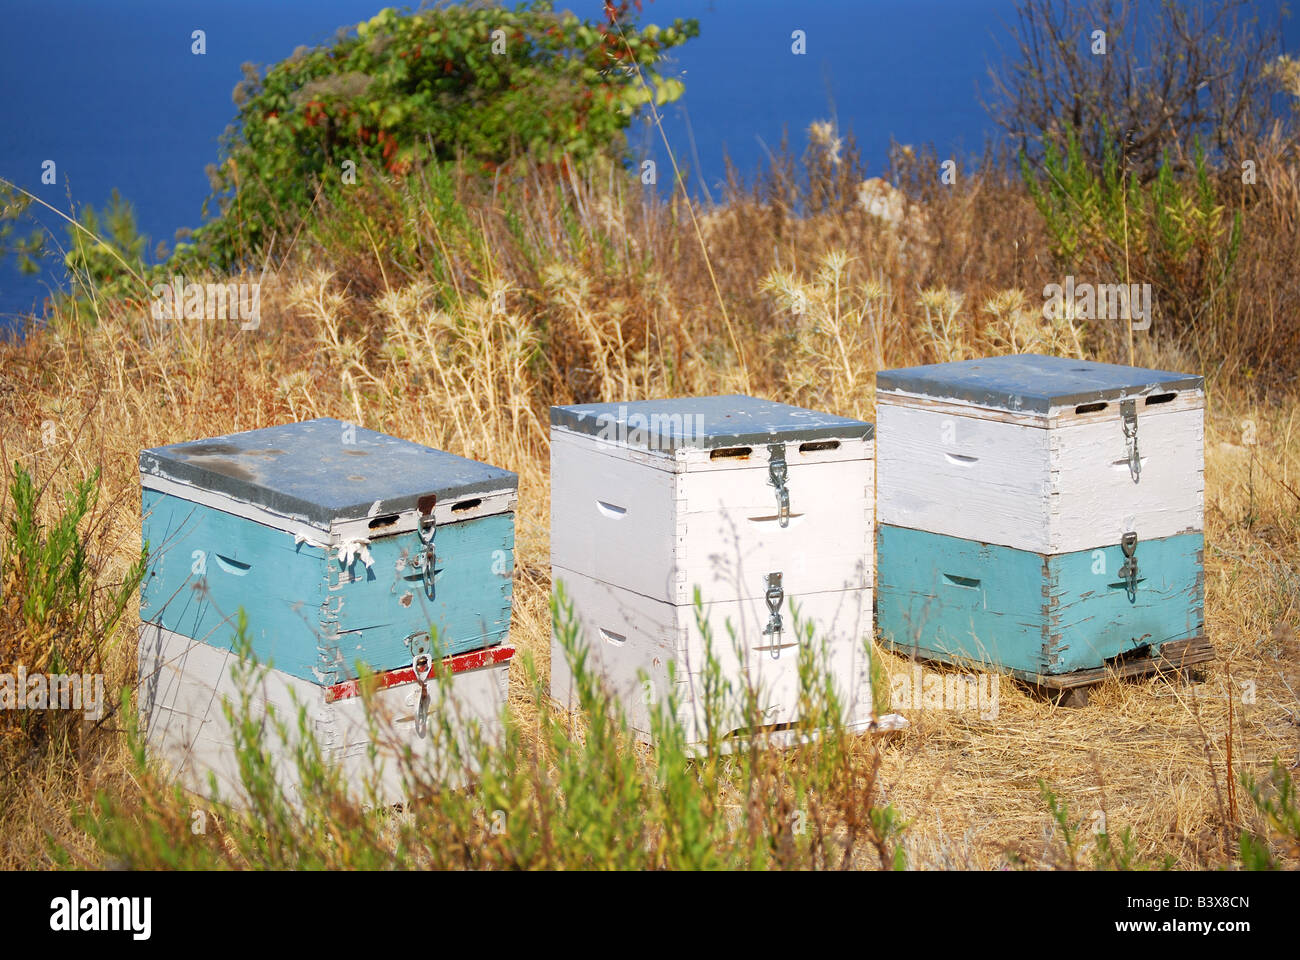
[1031, 382]
[307, 470]
[705, 423]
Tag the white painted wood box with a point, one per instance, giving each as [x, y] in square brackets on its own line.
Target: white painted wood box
[761, 506]
[183, 683]
[1038, 513]
[1041, 453]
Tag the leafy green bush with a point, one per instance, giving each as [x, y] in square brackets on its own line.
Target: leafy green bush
[483, 83]
[1172, 233]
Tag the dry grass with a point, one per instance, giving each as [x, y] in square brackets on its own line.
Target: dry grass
[614, 303]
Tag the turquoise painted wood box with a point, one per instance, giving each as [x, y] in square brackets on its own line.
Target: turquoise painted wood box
[1039, 514]
[343, 546]
[963, 601]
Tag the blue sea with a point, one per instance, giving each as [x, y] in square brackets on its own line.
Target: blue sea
[113, 94]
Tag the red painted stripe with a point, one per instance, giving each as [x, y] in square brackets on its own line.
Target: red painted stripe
[461, 662]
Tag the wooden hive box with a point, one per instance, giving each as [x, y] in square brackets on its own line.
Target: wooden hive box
[761, 506]
[183, 683]
[1039, 513]
[344, 548]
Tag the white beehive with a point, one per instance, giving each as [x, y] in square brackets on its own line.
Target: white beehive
[761, 506]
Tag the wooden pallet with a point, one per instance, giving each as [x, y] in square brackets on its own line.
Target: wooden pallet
[1072, 689]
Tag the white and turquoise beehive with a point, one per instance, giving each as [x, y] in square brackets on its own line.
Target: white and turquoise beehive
[1039, 514]
[346, 550]
[762, 507]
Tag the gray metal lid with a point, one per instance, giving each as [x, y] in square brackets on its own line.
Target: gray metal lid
[1030, 382]
[323, 470]
[704, 422]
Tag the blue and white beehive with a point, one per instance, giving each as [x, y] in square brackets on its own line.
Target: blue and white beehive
[1037, 513]
[344, 548]
[761, 506]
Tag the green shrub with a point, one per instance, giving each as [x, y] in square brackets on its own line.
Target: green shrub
[1107, 225]
[482, 83]
[557, 790]
[57, 616]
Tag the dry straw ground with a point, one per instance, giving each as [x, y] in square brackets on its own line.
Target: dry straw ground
[459, 332]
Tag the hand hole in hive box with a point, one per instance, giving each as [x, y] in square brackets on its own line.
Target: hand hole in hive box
[1160, 398]
[465, 505]
[1090, 407]
[730, 453]
[814, 445]
[233, 567]
[380, 522]
[611, 637]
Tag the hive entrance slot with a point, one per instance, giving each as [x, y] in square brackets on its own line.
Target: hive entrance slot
[730, 453]
[1090, 407]
[1160, 398]
[380, 522]
[466, 505]
[968, 582]
[813, 446]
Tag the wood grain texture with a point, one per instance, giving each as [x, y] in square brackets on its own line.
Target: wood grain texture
[964, 601]
[1042, 490]
[337, 531]
[630, 640]
[183, 684]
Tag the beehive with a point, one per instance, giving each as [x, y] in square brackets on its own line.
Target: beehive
[761, 506]
[1039, 513]
[343, 547]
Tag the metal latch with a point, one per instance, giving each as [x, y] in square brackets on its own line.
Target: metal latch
[1128, 409]
[1129, 571]
[774, 597]
[425, 560]
[422, 666]
[776, 476]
